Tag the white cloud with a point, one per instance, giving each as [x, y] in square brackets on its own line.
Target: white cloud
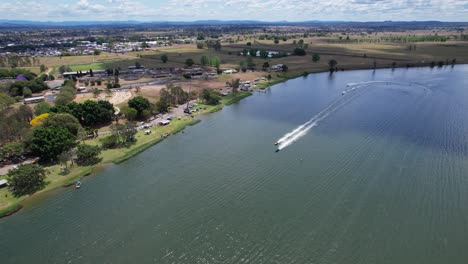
[83, 3]
[268, 10]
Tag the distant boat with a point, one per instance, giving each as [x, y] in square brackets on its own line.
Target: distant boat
[343, 93]
[78, 184]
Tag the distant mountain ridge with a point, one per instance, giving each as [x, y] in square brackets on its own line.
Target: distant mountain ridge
[29, 23]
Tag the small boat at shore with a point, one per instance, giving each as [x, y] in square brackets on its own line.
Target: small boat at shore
[78, 184]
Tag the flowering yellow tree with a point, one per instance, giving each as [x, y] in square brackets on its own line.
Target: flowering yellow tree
[38, 120]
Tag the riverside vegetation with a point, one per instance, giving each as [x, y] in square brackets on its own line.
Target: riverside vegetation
[65, 139]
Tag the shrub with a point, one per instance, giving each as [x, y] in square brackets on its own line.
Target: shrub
[299, 52]
[88, 155]
[110, 142]
[41, 108]
[38, 120]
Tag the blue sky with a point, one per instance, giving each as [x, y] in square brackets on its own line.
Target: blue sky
[266, 10]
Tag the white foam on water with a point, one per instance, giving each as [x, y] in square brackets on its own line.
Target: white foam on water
[302, 130]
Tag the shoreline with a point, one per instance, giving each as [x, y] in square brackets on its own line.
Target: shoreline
[126, 153]
[81, 172]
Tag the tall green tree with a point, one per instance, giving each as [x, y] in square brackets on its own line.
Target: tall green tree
[43, 68]
[235, 83]
[64, 158]
[316, 57]
[189, 62]
[164, 58]
[42, 108]
[211, 97]
[25, 113]
[162, 106]
[299, 52]
[12, 151]
[332, 64]
[64, 68]
[204, 60]
[5, 101]
[49, 142]
[250, 63]
[139, 103]
[64, 120]
[26, 179]
[129, 131]
[94, 113]
[217, 45]
[129, 112]
[27, 92]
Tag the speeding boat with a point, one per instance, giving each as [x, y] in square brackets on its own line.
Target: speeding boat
[277, 150]
[343, 93]
[276, 143]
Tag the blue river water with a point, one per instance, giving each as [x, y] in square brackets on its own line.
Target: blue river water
[381, 178]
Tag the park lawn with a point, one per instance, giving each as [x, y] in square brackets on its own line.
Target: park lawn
[232, 98]
[54, 180]
[142, 141]
[79, 60]
[147, 62]
[87, 67]
[6, 198]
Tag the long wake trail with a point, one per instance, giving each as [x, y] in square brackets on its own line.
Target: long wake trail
[290, 137]
[303, 129]
[297, 130]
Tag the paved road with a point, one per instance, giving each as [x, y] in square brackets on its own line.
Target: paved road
[4, 170]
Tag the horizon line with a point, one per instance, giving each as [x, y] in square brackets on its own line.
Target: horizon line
[230, 20]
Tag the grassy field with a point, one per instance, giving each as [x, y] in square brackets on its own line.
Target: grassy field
[111, 155]
[350, 55]
[86, 67]
[232, 98]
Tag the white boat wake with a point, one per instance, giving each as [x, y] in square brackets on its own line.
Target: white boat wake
[347, 95]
